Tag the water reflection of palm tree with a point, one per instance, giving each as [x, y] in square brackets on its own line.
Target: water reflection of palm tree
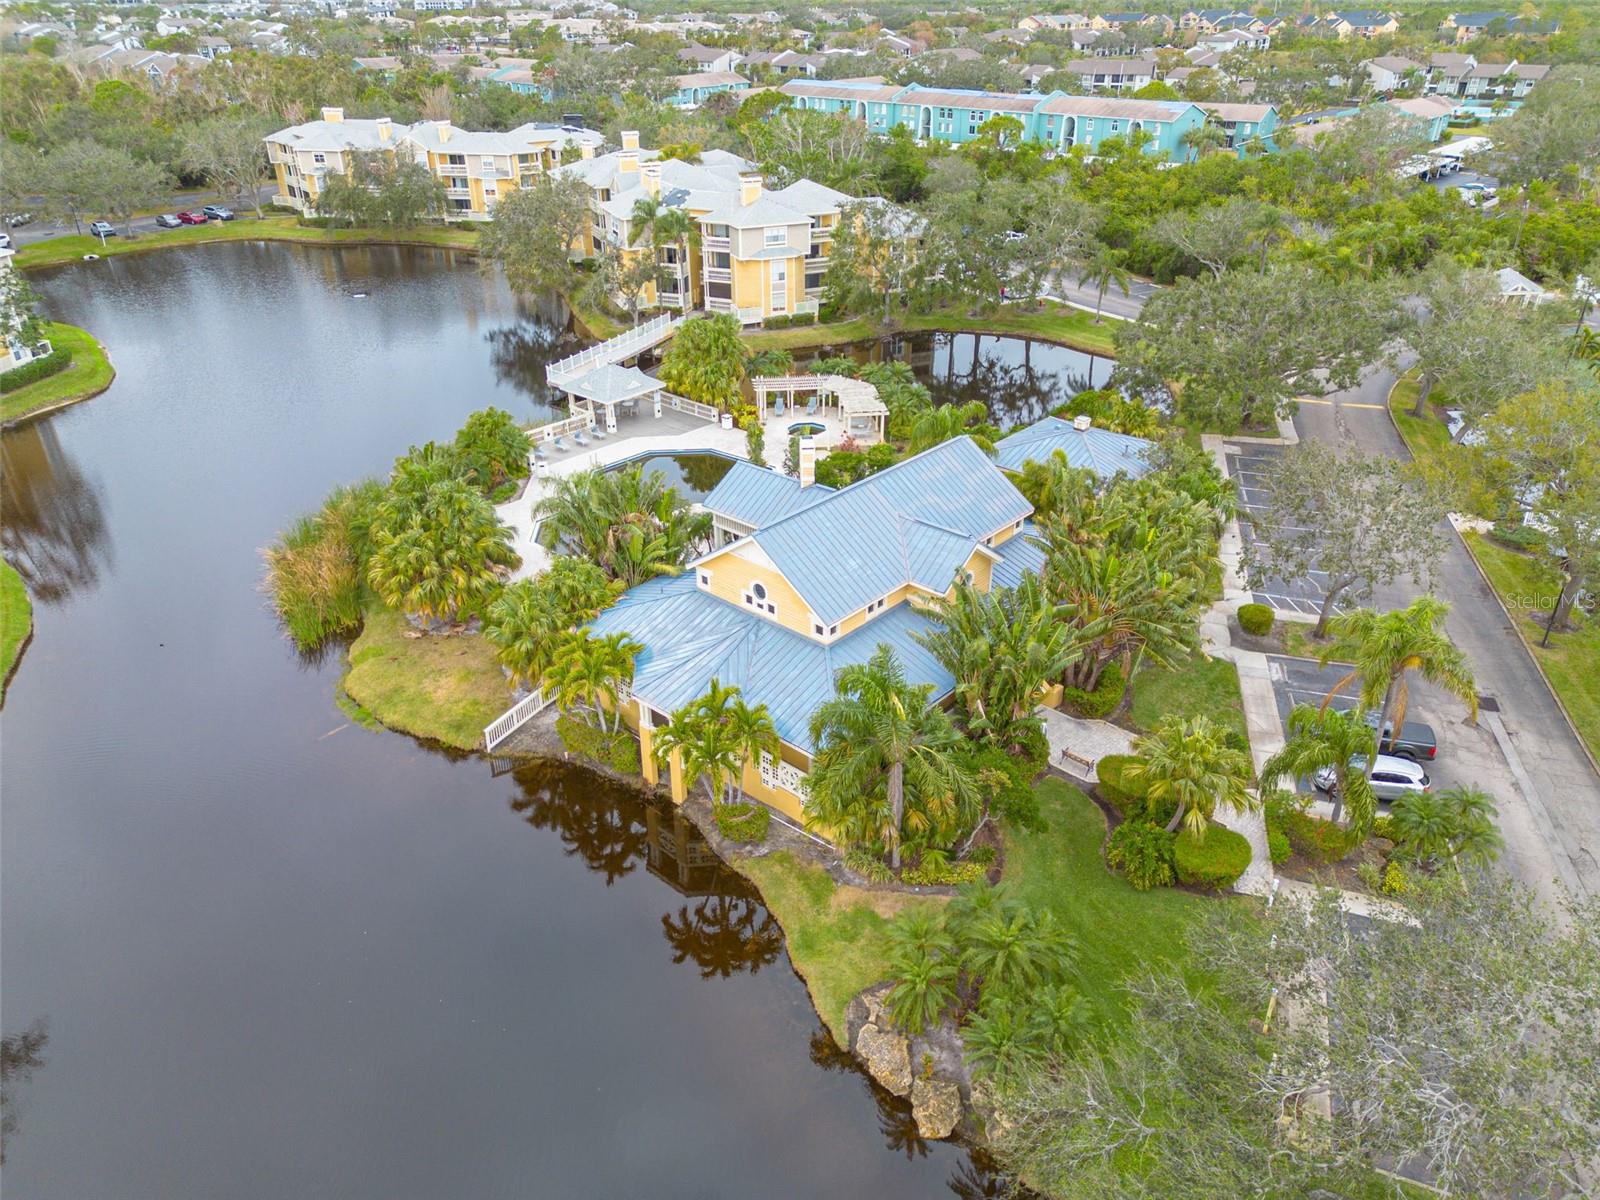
[600, 822]
[54, 531]
[519, 354]
[21, 1054]
[724, 934]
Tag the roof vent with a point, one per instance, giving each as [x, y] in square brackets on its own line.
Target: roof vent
[1082, 421]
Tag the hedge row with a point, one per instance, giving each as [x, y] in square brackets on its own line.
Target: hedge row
[617, 750]
[783, 322]
[39, 368]
[948, 874]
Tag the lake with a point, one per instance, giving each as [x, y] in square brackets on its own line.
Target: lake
[280, 955]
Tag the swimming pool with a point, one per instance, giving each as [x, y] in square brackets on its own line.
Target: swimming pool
[806, 429]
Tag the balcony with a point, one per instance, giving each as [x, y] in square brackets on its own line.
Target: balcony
[457, 193]
[716, 243]
[718, 275]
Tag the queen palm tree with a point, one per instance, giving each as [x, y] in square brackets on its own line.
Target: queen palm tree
[705, 739]
[647, 211]
[1190, 763]
[1388, 647]
[674, 227]
[885, 760]
[590, 671]
[1330, 738]
[1104, 267]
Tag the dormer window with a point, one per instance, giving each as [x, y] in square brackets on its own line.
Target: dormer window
[775, 237]
[756, 598]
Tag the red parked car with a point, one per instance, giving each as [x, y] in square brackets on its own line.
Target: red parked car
[192, 218]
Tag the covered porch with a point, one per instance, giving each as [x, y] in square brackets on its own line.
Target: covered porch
[609, 390]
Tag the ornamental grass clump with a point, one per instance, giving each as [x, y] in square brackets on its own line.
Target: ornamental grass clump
[314, 569]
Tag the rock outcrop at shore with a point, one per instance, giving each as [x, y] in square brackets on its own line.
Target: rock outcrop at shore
[928, 1068]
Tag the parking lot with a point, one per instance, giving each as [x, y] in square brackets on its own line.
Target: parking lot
[1302, 597]
[1467, 753]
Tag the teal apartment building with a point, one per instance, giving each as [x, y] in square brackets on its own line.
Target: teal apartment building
[1058, 120]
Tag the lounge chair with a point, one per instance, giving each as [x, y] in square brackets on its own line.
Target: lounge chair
[811, 408]
[577, 437]
[558, 445]
[539, 454]
[597, 433]
[777, 408]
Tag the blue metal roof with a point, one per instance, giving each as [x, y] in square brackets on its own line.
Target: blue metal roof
[690, 638]
[915, 522]
[1103, 452]
[756, 496]
[1018, 557]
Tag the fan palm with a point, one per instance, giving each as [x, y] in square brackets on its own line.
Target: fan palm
[1388, 647]
[886, 760]
[1319, 739]
[1190, 763]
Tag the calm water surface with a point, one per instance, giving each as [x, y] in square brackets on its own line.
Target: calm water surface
[282, 956]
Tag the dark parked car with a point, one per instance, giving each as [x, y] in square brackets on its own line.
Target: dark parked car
[1416, 741]
[168, 221]
[192, 218]
[215, 212]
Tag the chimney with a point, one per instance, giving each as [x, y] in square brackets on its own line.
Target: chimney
[630, 139]
[333, 115]
[445, 130]
[808, 461]
[586, 150]
[628, 162]
[1082, 422]
[650, 177]
[385, 128]
[749, 189]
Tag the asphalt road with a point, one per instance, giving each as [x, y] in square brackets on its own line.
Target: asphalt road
[1551, 817]
[1116, 304]
[1521, 749]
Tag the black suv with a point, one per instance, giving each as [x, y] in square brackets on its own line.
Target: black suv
[1416, 741]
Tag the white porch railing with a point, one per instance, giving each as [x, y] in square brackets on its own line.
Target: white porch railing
[694, 408]
[514, 718]
[625, 345]
[544, 433]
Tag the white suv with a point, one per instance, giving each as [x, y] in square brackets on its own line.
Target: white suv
[1391, 777]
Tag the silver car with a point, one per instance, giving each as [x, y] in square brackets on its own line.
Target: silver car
[1391, 777]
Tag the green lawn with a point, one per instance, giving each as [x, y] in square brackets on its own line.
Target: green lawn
[444, 688]
[835, 934]
[1201, 685]
[1120, 931]
[1571, 662]
[88, 374]
[16, 621]
[1426, 436]
[56, 251]
[1297, 640]
[1052, 323]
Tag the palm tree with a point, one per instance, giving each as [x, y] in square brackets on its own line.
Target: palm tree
[1454, 826]
[1190, 763]
[1052, 484]
[590, 671]
[1017, 950]
[717, 734]
[528, 619]
[753, 734]
[885, 759]
[1388, 647]
[1319, 739]
[629, 522]
[647, 211]
[675, 227]
[441, 556]
[924, 988]
[1003, 647]
[1199, 138]
[948, 421]
[1103, 266]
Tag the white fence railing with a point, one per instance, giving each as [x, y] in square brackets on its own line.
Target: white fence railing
[706, 412]
[544, 433]
[624, 345]
[514, 718]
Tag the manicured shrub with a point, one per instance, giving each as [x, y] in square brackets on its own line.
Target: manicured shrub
[1278, 846]
[1214, 860]
[1100, 702]
[869, 865]
[1143, 853]
[1256, 619]
[1517, 537]
[36, 369]
[1124, 794]
[745, 822]
[616, 749]
[935, 871]
[1312, 836]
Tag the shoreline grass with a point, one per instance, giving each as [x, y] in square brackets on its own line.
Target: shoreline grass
[54, 252]
[87, 375]
[442, 688]
[1058, 323]
[1568, 662]
[16, 623]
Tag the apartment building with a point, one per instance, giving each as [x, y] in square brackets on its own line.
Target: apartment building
[478, 169]
[760, 253]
